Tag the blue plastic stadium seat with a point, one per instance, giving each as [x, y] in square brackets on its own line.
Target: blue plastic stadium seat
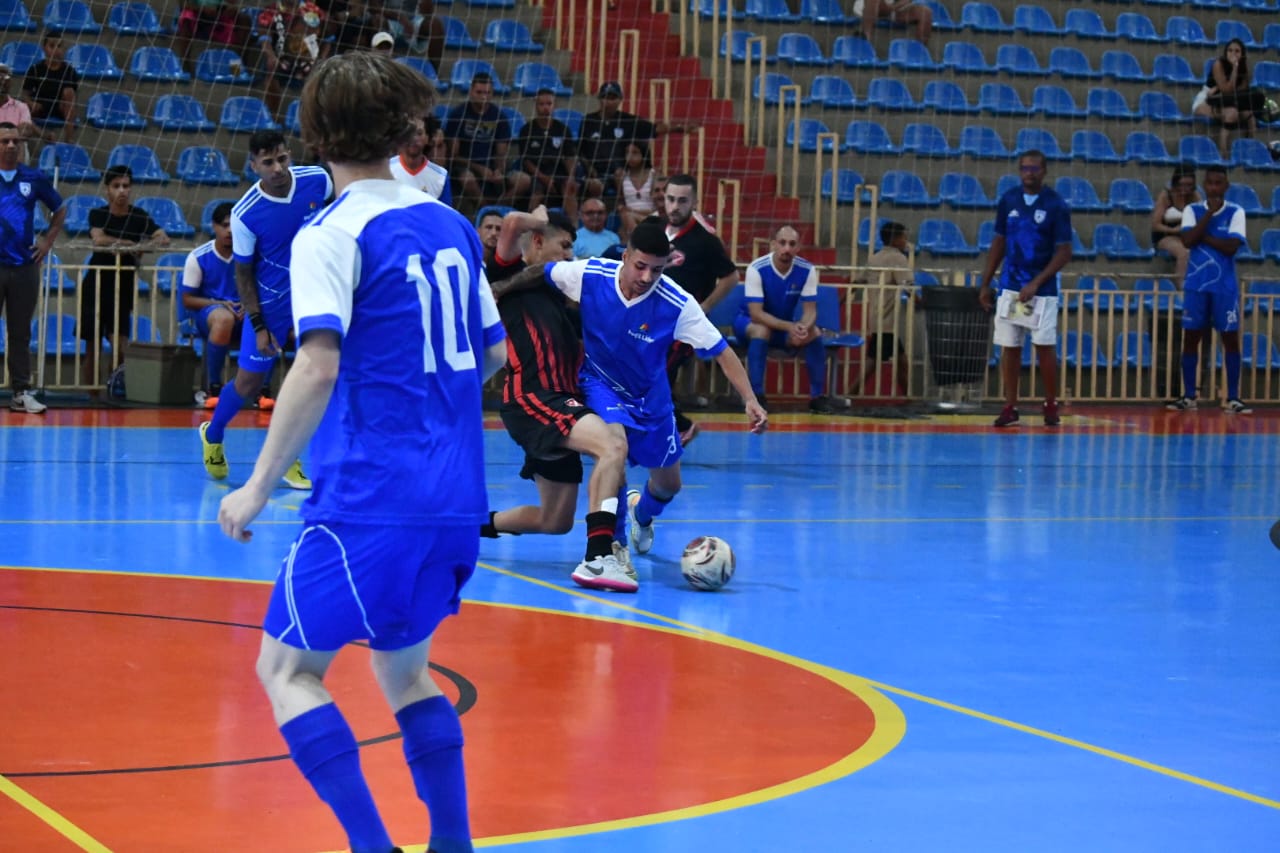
[1079, 249]
[71, 162]
[1123, 65]
[1200, 150]
[426, 69]
[964, 192]
[983, 18]
[982, 142]
[1266, 74]
[1086, 24]
[1160, 107]
[14, 16]
[246, 114]
[1133, 349]
[771, 11]
[1271, 36]
[1137, 27]
[1184, 30]
[807, 135]
[726, 311]
[291, 120]
[1052, 100]
[1253, 155]
[133, 19]
[800, 49]
[70, 16]
[510, 37]
[93, 62]
[844, 183]
[855, 52]
[20, 56]
[1080, 195]
[869, 137]
[59, 335]
[206, 213]
[1080, 350]
[735, 46]
[942, 20]
[831, 319]
[1019, 61]
[911, 55]
[1226, 29]
[833, 92]
[465, 69]
[1102, 294]
[891, 95]
[1001, 99]
[1158, 295]
[167, 214]
[1247, 198]
[157, 64]
[529, 77]
[1117, 242]
[493, 4]
[182, 113]
[824, 12]
[964, 57]
[78, 207]
[906, 189]
[169, 267]
[773, 83]
[1269, 245]
[1106, 103]
[55, 278]
[1173, 68]
[456, 35]
[571, 118]
[925, 140]
[943, 238]
[1093, 146]
[215, 64]
[141, 160]
[1131, 195]
[1039, 139]
[944, 96]
[1071, 63]
[205, 166]
[986, 234]
[113, 110]
[1005, 183]
[707, 9]
[1036, 20]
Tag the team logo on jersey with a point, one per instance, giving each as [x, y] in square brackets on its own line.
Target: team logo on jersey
[572, 403]
[641, 334]
[1039, 216]
[1012, 214]
[25, 188]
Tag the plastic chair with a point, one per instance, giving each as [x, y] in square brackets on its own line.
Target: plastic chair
[169, 268]
[942, 20]
[1093, 146]
[1266, 74]
[246, 114]
[707, 8]
[891, 95]
[868, 137]
[181, 113]
[1071, 63]
[530, 77]
[55, 278]
[832, 92]
[983, 18]
[113, 110]
[800, 49]
[964, 57]
[1172, 68]
[1102, 294]
[1158, 295]
[59, 335]
[808, 135]
[1019, 61]
[206, 213]
[964, 192]
[1200, 150]
[830, 319]
[1253, 155]
[855, 52]
[943, 238]
[1052, 100]
[70, 16]
[1080, 195]
[726, 310]
[1080, 350]
[773, 83]
[133, 19]
[1269, 246]
[1160, 107]
[78, 207]
[906, 189]
[844, 183]
[735, 46]
[1130, 195]
[510, 37]
[167, 214]
[911, 55]
[572, 119]
[215, 64]
[1039, 139]
[864, 234]
[205, 166]
[14, 16]
[1036, 20]
[944, 96]
[1136, 27]
[1133, 349]
[1079, 249]
[466, 69]
[1117, 242]
[1086, 24]
[456, 35]
[93, 62]
[771, 11]
[157, 64]
[824, 12]
[1247, 198]
[1184, 30]
[1123, 65]
[1108, 104]
[515, 119]
[1001, 99]
[20, 56]
[925, 140]
[70, 161]
[983, 143]
[141, 161]
[1226, 30]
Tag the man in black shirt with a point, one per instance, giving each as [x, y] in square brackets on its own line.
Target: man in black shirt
[121, 234]
[606, 133]
[544, 412]
[549, 155]
[50, 88]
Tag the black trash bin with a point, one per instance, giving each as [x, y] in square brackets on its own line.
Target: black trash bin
[958, 334]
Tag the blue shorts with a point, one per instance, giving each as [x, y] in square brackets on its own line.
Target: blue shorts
[390, 586]
[653, 440]
[777, 340]
[201, 320]
[254, 361]
[1221, 308]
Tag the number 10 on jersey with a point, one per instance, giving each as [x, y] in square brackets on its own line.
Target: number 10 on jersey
[449, 284]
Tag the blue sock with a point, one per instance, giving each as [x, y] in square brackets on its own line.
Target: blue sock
[815, 359]
[650, 507]
[326, 752]
[620, 530]
[1190, 361]
[757, 357]
[229, 405]
[215, 357]
[1232, 360]
[433, 748]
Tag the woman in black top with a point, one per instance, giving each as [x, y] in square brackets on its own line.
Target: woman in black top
[1227, 97]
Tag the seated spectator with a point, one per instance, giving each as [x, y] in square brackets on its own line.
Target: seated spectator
[1226, 96]
[209, 22]
[15, 112]
[412, 166]
[384, 42]
[635, 182]
[210, 296]
[478, 138]
[1166, 218]
[490, 228]
[593, 238]
[121, 234]
[291, 46]
[890, 271]
[50, 88]
[899, 12]
[549, 157]
[607, 132]
[437, 147]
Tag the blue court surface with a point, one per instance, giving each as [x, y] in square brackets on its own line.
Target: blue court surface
[1056, 641]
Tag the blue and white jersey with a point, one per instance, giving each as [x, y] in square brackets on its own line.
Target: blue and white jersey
[400, 277]
[779, 294]
[18, 197]
[1033, 227]
[208, 274]
[625, 342]
[1207, 268]
[263, 228]
[432, 178]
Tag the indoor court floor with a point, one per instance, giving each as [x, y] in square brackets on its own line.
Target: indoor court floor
[939, 638]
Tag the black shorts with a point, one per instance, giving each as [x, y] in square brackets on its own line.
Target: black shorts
[107, 314]
[540, 423]
[883, 346]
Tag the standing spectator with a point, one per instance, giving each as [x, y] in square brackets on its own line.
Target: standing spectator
[15, 112]
[490, 228]
[777, 284]
[1033, 239]
[209, 295]
[1226, 96]
[121, 234]
[1166, 219]
[411, 166]
[210, 22]
[50, 88]
[392, 409]
[902, 12]
[21, 186]
[635, 182]
[479, 137]
[593, 238]
[1214, 230]
[291, 46]
[891, 271]
[549, 157]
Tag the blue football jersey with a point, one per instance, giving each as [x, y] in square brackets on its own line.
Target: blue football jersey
[400, 277]
[263, 228]
[18, 199]
[1207, 268]
[210, 275]
[625, 342]
[1032, 232]
[779, 294]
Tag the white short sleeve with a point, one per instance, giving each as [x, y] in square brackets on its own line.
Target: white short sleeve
[192, 273]
[810, 289]
[324, 268]
[1237, 227]
[489, 316]
[567, 277]
[243, 241]
[754, 286]
[696, 330]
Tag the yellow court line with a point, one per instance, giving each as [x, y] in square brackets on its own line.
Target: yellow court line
[51, 818]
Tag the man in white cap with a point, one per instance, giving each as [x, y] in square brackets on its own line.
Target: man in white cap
[384, 42]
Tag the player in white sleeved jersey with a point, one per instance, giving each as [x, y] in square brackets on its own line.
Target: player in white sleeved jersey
[411, 166]
[631, 314]
[263, 225]
[397, 331]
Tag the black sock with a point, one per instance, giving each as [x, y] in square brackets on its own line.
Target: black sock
[600, 533]
[487, 530]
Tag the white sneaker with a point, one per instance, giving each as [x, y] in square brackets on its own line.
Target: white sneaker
[25, 401]
[604, 573]
[623, 556]
[641, 537]
[1235, 407]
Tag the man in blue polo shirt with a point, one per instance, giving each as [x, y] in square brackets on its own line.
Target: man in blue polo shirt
[21, 187]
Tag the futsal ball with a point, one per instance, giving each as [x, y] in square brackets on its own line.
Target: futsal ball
[1275, 534]
[707, 563]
